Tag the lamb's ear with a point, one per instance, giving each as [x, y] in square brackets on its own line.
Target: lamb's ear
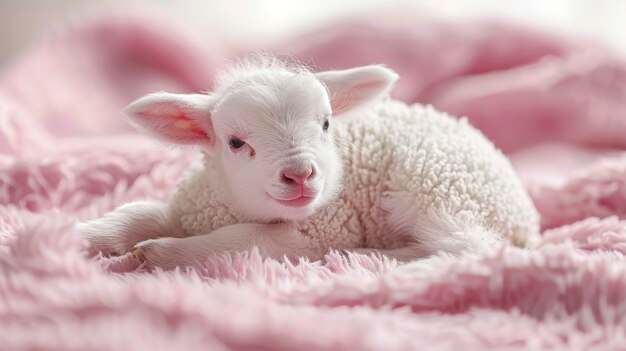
[177, 118]
[356, 87]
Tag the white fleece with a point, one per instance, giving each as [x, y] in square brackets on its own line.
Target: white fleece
[414, 159]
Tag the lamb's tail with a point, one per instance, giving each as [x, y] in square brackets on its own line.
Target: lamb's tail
[441, 232]
[440, 236]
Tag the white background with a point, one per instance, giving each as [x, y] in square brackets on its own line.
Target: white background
[246, 21]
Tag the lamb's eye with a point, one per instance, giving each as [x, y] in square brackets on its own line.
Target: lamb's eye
[326, 124]
[235, 143]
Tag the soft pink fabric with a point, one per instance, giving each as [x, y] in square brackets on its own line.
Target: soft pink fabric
[557, 106]
[76, 81]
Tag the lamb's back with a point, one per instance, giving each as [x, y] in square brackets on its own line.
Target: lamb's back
[428, 161]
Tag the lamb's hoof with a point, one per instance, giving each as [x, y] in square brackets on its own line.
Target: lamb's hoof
[138, 254]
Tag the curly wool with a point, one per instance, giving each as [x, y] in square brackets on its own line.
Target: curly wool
[415, 156]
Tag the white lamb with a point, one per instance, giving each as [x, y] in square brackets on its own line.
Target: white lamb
[298, 163]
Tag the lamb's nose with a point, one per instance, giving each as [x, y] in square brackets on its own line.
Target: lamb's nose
[298, 176]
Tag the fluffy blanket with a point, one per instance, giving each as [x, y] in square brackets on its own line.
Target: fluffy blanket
[556, 106]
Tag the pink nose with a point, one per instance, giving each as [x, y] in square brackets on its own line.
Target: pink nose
[298, 176]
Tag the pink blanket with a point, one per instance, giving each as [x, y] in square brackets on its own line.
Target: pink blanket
[557, 106]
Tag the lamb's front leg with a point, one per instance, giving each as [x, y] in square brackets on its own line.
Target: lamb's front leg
[121, 229]
[272, 240]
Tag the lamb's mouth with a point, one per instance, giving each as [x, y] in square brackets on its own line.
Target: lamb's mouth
[300, 201]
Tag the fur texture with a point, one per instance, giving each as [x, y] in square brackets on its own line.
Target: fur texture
[566, 294]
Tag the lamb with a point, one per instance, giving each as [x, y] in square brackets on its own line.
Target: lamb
[298, 163]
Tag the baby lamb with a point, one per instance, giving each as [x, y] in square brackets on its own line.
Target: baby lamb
[298, 163]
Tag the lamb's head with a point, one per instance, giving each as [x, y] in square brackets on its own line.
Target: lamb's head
[269, 129]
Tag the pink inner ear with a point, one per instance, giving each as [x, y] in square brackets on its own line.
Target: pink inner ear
[185, 123]
[354, 96]
[174, 125]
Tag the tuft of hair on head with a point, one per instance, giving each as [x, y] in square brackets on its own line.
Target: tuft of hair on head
[348, 89]
[258, 67]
